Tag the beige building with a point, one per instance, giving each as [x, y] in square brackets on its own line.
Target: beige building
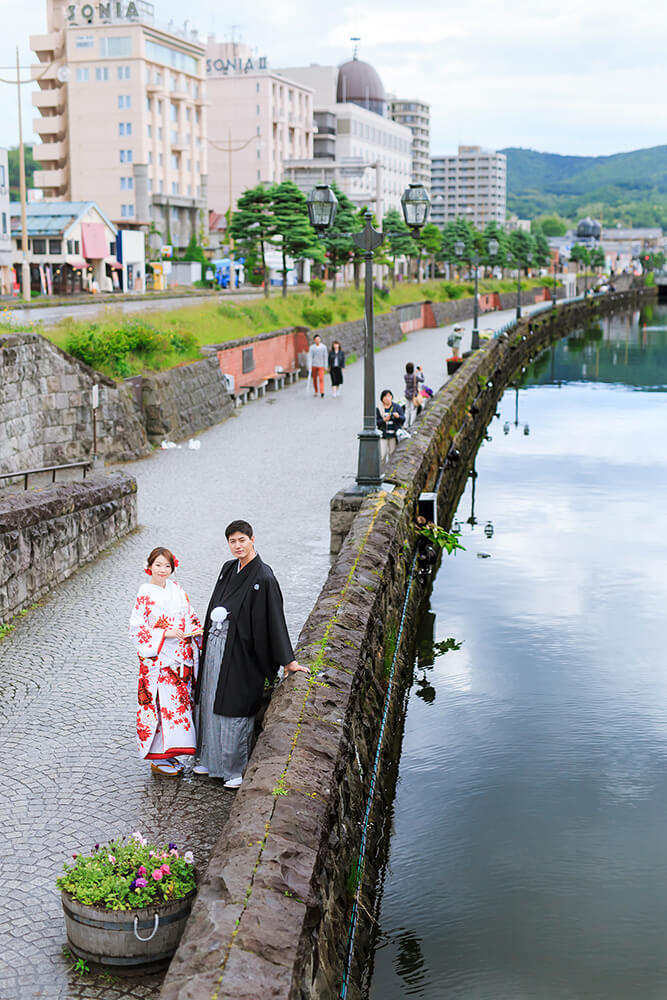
[471, 184]
[257, 120]
[6, 256]
[416, 115]
[356, 144]
[123, 114]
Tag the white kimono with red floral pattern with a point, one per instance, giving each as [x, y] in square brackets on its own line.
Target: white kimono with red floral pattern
[166, 666]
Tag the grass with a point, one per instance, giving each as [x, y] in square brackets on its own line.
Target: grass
[215, 322]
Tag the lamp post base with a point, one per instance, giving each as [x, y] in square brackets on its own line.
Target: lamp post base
[369, 475]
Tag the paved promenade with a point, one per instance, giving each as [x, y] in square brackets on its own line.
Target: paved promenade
[69, 767]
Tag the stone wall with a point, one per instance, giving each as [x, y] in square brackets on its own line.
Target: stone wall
[46, 536]
[46, 415]
[46, 408]
[272, 914]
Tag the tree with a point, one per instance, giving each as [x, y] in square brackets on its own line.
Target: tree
[580, 255]
[292, 234]
[397, 234]
[253, 226]
[552, 225]
[460, 231]
[14, 178]
[430, 240]
[337, 241]
[521, 247]
[194, 252]
[493, 231]
[542, 251]
[598, 258]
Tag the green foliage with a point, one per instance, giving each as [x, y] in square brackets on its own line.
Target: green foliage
[447, 645]
[521, 247]
[107, 877]
[194, 252]
[293, 234]
[552, 225]
[629, 189]
[30, 167]
[317, 286]
[398, 238]
[580, 254]
[317, 314]
[339, 247]
[459, 231]
[6, 628]
[448, 540]
[493, 231]
[109, 347]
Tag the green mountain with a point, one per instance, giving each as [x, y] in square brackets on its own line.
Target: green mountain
[627, 188]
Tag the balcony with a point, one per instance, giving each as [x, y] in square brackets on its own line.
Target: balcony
[155, 88]
[48, 45]
[180, 143]
[178, 95]
[51, 179]
[44, 71]
[55, 125]
[50, 152]
[43, 99]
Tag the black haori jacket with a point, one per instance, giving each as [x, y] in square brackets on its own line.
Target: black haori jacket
[257, 640]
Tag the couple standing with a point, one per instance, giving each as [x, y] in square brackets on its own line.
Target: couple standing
[243, 642]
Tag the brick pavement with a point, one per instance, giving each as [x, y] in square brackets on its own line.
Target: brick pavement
[69, 766]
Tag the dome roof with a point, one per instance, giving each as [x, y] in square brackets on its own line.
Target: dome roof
[589, 229]
[359, 83]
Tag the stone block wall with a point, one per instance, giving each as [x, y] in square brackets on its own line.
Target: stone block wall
[272, 914]
[46, 536]
[179, 402]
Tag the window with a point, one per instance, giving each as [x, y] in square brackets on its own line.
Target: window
[161, 160]
[126, 156]
[55, 246]
[2, 175]
[159, 134]
[171, 57]
[123, 72]
[128, 128]
[187, 114]
[39, 246]
[124, 101]
[82, 74]
[150, 157]
[84, 42]
[101, 72]
[127, 183]
[174, 187]
[173, 136]
[116, 47]
[4, 223]
[172, 83]
[149, 131]
[150, 185]
[149, 104]
[175, 161]
[127, 211]
[173, 113]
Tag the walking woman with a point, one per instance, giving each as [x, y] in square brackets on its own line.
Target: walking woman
[336, 365]
[165, 632]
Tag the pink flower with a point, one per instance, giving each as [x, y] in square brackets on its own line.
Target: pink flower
[157, 874]
[111, 859]
[174, 852]
[166, 869]
[75, 856]
[151, 853]
[141, 883]
[141, 870]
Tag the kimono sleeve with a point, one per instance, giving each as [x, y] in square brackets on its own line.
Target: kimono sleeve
[146, 639]
[192, 622]
[278, 640]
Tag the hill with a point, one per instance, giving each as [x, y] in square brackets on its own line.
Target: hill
[628, 188]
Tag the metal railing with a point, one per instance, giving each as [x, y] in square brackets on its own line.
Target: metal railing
[53, 469]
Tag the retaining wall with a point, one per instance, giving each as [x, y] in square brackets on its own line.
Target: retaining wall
[46, 536]
[272, 914]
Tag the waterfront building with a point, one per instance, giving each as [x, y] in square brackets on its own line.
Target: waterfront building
[71, 246]
[6, 255]
[258, 119]
[122, 108]
[471, 185]
[416, 115]
[356, 143]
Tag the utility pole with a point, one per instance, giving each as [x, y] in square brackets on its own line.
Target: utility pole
[25, 266]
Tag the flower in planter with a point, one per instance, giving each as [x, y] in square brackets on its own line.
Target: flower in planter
[189, 858]
[116, 876]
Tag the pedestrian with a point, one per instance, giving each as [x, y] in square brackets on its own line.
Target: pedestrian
[245, 643]
[317, 358]
[389, 417]
[165, 631]
[413, 379]
[336, 365]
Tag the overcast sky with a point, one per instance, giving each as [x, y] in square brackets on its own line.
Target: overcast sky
[563, 77]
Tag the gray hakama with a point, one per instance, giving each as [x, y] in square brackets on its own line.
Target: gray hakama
[223, 742]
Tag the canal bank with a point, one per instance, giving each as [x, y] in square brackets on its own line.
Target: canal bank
[274, 911]
[527, 834]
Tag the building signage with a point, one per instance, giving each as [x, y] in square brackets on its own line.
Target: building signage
[227, 66]
[120, 9]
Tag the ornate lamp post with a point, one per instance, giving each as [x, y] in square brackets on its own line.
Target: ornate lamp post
[321, 210]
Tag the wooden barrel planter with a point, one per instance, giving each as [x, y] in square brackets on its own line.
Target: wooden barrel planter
[125, 937]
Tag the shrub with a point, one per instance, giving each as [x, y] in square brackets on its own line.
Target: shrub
[316, 286]
[315, 314]
[183, 341]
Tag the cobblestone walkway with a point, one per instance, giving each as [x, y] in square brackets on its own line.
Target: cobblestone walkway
[69, 768]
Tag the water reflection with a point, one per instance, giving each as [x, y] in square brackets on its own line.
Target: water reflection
[527, 857]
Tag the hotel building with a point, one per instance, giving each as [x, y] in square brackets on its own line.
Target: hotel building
[123, 116]
[471, 184]
[257, 120]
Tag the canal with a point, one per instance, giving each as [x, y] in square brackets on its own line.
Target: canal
[527, 858]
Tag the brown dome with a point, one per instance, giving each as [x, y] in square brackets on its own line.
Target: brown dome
[359, 83]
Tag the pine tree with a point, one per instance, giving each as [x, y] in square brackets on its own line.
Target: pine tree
[401, 243]
[253, 226]
[293, 234]
[338, 244]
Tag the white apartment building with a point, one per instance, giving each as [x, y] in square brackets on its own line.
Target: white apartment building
[123, 113]
[356, 144]
[257, 120]
[416, 115]
[6, 256]
[471, 184]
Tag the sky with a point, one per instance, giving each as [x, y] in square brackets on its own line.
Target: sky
[567, 77]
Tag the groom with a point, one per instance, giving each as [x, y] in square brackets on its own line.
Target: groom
[255, 644]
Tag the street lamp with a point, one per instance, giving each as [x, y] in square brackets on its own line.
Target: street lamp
[321, 210]
[459, 247]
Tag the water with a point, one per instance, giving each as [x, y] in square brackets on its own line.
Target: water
[527, 858]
